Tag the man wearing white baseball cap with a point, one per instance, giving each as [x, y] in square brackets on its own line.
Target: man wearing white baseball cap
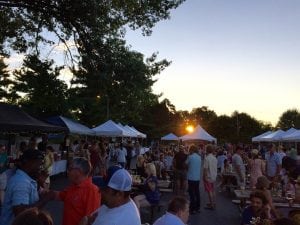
[117, 207]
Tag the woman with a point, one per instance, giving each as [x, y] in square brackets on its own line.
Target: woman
[102, 157]
[256, 209]
[95, 158]
[49, 160]
[140, 165]
[121, 155]
[151, 194]
[256, 166]
[263, 185]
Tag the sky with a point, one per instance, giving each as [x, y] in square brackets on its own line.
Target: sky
[229, 55]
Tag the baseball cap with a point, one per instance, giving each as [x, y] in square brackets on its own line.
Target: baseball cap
[118, 178]
[32, 154]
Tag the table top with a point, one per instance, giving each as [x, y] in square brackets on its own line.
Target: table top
[242, 193]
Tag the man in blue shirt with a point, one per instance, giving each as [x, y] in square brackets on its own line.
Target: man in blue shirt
[193, 175]
[177, 213]
[273, 162]
[22, 188]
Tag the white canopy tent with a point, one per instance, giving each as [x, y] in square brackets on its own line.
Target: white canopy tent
[170, 137]
[130, 132]
[198, 134]
[295, 136]
[110, 129]
[287, 133]
[140, 134]
[275, 136]
[258, 138]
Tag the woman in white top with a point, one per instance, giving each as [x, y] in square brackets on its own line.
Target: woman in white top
[121, 155]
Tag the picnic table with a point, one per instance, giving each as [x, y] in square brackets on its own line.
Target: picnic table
[278, 201]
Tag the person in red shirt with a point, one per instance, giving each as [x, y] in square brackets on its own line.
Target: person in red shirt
[82, 197]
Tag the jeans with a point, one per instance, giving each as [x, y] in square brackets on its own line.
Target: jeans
[194, 192]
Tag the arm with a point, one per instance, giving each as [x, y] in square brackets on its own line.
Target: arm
[18, 208]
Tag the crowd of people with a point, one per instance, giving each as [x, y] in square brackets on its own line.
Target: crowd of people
[100, 174]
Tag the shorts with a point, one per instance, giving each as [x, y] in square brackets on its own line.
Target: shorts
[180, 175]
[209, 186]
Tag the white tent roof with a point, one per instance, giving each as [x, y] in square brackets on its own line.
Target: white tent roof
[110, 129]
[287, 133]
[140, 134]
[198, 134]
[130, 133]
[77, 128]
[295, 136]
[258, 138]
[275, 136]
[170, 137]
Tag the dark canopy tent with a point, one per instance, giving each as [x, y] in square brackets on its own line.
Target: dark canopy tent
[15, 120]
[72, 126]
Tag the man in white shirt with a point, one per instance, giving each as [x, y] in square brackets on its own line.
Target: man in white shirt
[177, 213]
[210, 170]
[117, 207]
[239, 167]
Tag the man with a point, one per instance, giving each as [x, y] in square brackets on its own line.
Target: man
[256, 209]
[239, 167]
[22, 188]
[210, 171]
[193, 176]
[82, 197]
[273, 163]
[177, 213]
[180, 171]
[117, 207]
[3, 177]
[43, 144]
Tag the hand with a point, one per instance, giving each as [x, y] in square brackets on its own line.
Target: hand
[48, 195]
[88, 220]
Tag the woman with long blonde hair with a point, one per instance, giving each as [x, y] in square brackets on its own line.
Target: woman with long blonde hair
[151, 194]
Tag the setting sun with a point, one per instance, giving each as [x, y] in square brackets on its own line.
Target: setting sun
[190, 128]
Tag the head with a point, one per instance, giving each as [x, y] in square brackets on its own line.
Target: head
[78, 170]
[210, 149]
[117, 187]
[239, 150]
[49, 148]
[45, 138]
[23, 146]
[150, 169]
[258, 200]
[2, 148]
[31, 162]
[179, 206]
[33, 216]
[193, 149]
[272, 148]
[254, 153]
[262, 183]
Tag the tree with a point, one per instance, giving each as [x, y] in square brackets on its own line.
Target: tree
[6, 84]
[288, 119]
[44, 94]
[203, 116]
[159, 119]
[121, 90]
[88, 24]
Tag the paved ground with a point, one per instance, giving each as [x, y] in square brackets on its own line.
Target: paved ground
[225, 214]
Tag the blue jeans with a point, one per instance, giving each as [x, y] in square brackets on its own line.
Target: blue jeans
[194, 192]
